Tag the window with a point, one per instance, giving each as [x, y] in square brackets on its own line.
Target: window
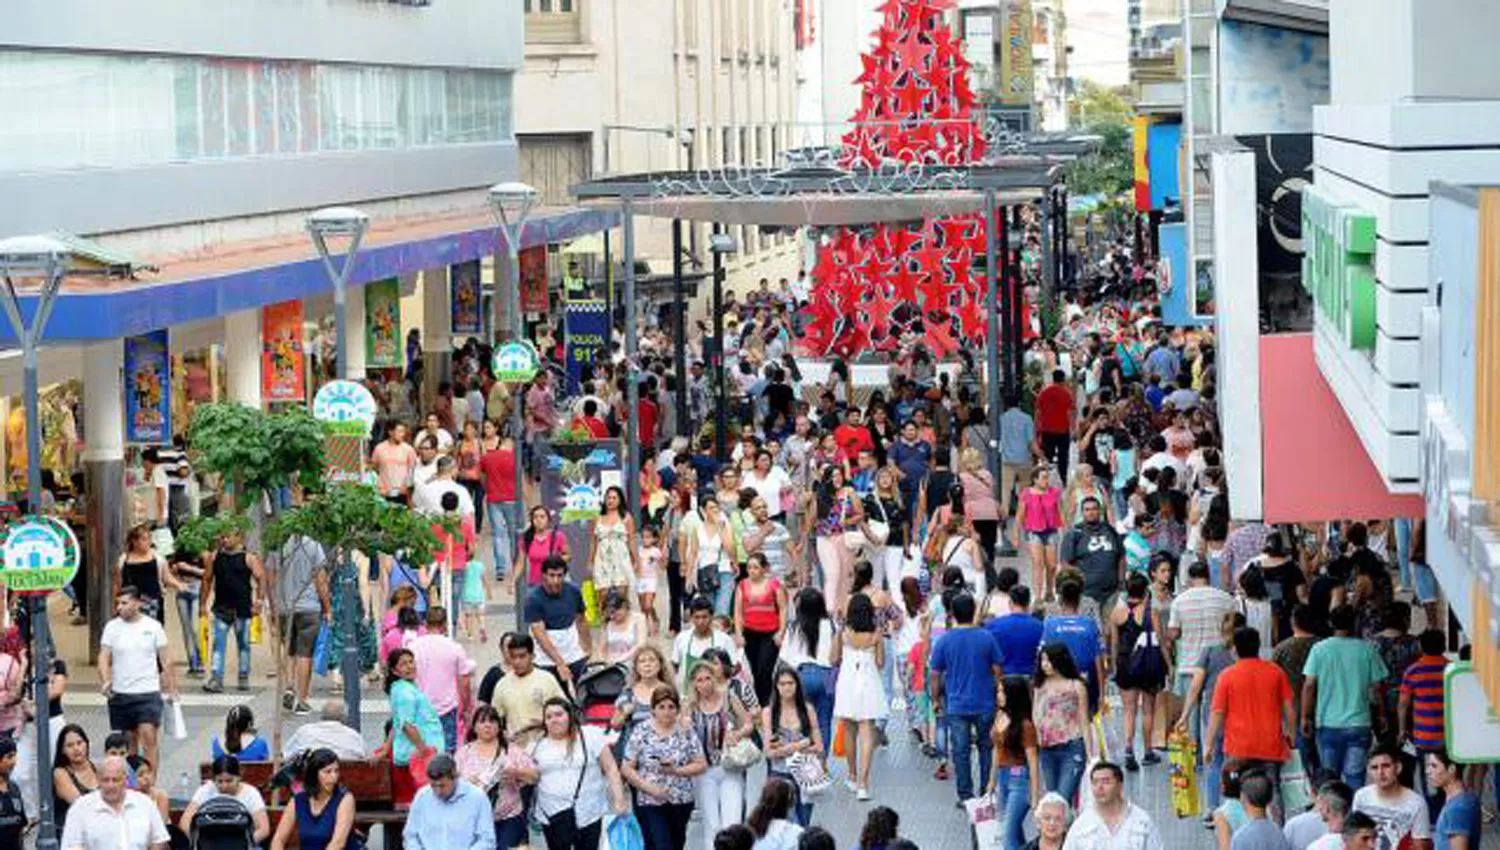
[690, 24]
[726, 144]
[553, 21]
[725, 25]
[88, 111]
[742, 41]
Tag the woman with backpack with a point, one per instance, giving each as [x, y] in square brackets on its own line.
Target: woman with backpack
[1140, 665]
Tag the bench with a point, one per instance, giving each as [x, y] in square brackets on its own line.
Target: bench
[369, 780]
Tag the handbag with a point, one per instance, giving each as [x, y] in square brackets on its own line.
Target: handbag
[742, 756]
[707, 580]
[1146, 663]
[877, 531]
[1296, 788]
[809, 772]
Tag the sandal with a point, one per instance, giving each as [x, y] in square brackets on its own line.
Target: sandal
[941, 774]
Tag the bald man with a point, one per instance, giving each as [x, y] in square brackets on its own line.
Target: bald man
[114, 817]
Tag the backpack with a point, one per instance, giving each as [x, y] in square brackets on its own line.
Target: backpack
[1146, 663]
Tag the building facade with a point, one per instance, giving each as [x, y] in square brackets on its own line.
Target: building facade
[1054, 88]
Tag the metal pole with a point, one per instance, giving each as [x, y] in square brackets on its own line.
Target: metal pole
[993, 341]
[679, 331]
[632, 370]
[1049, 270]
[721, 409]
[1061, 216]
[1013, 278]
[30, 339]
[518, 511]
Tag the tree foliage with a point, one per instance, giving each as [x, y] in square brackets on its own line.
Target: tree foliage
[200, 535]
[1105, 113]
[355, 518]
[257, 451]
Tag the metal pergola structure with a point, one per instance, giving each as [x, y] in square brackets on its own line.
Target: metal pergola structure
[816, 192]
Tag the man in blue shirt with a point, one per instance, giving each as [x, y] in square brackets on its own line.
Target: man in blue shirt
[1079, 633]
[449, 813]
[913, 457]
[1019, 634]
[1018, 447]
[966, 662]
[1459, 817]
[1163, 361]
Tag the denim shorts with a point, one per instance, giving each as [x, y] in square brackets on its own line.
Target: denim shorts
[1425, 581]
[1041, 538]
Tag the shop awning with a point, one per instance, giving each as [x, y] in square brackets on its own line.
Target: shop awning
[1316, 469]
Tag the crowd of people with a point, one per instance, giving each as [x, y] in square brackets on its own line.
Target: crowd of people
[1045, 609]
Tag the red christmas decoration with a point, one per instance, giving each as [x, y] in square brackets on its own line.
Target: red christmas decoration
[875, 285]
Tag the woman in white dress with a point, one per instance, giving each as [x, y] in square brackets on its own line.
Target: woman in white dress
[859, 701]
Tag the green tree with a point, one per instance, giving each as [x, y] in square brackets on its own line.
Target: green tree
[257, 452]
[1105, 113]
[1094, 104]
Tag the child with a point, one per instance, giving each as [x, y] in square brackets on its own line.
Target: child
[408, 626]
[651, 560]
[145, 779]
[116, 744]
[453, 555]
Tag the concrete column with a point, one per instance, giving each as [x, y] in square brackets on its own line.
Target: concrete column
[354, 317]
[104, 477]
[242, 349]
[437, 334]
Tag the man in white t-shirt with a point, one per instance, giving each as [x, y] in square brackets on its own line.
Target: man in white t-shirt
[1398, 811]
[692, 643]
[428, 497]
[114, 817]
[133, 666]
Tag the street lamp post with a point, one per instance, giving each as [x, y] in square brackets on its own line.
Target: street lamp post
[47, 259]
[351, 224]
[720, 245]
[512, 203]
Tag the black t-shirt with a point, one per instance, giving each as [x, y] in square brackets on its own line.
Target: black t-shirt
[54, 706]
[1320, 599]
[12, 815]
[1282, 581]
[487, 685]
[779, 399]
[893, 514]
[232, 585]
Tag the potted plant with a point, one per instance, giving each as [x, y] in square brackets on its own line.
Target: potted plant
[572, 443]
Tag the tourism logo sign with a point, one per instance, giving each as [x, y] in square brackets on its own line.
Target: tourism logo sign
[341, 402]
[38, 556]
[516, 362]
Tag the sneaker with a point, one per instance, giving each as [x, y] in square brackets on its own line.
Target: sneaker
[1130, 763]
[302, 709]
[850, 784]
[288, 699]
[1151, 757]
[243, 684]
[862, 795]
[214, 685]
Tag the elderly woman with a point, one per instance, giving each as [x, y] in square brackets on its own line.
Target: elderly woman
[1052, 818]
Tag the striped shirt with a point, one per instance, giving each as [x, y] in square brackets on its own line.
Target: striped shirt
[1423, 685]
[1199, 613]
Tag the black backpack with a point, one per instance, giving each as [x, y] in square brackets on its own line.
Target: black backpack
[1146, 662]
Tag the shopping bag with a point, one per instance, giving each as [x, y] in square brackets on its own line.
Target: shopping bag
[1086, 787]
[179, 723]
[1296, 787]
[257, 630]
[840, 739]
[1107, 735]
[624, 833]
[1182, 772]
[985, 822]
[204, 639]
[320, 650]
[590, 602]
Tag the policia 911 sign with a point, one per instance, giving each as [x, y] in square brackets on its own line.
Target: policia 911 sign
[39, 555]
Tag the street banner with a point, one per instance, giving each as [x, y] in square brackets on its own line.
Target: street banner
[533, 263]
[283, 366]
[465, 296]
[574, 478]
[383, 324]
[148, 396]
[1015, 55]
[586, 332]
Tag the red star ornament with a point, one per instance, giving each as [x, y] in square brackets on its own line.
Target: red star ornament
[875, 314]
[971, 319]
[939, 339]
[904, 283]
[937, 293]
[911, 96]
[914, 52]
[930, 258]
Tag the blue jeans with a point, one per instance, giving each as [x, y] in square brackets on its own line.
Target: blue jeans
[1403, 550]
[801, 809]
[1345, 750]
[1062, 768]
[1213, 781]
[724, 596]
[450, 730]
[187, 614]
[511, 832]
[241, 629]
[816, 686]
[1012, 802]
[969, 730]
[500, 536]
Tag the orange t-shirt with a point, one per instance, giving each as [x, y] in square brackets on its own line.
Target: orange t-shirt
[1256, 690]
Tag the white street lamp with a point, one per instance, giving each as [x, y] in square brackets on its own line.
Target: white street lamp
[338, 222]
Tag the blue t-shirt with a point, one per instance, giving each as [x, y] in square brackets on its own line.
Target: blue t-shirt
[1460, 816]
[1079, 633]
[1019, 636]
[256, 750]
[966, 657]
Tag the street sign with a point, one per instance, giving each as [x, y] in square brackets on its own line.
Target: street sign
[344, 401]
[516, 362]
[39, 555]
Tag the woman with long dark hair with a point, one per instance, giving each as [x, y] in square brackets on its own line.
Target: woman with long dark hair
[860, 702]
[879, 831]
[322, 813]
[416, 732]
[239, 738]
[73, 772]
[770, 819]
[1134, 621]
[787, 727]
[499, 767]
[1016, 778]
[839, 510]
[1061, 715]
[808, 649]
[578, 779]
[612, 554]
[760, 615]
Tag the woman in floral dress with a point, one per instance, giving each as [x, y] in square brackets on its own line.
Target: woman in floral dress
[661, 759]
[613, 555]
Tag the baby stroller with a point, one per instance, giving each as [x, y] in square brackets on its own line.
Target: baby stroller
[223, 823]
[598, 688]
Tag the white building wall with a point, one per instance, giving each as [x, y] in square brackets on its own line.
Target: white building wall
[1237, 330]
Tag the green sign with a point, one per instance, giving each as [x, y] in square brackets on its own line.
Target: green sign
[1338, 265]
[516, 362]
[38, 555]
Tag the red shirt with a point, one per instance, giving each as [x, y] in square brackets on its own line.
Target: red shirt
[646, 421]
[596, 427]
[499, 470]
[853, 439]
[1054, 409]
[1251, 694]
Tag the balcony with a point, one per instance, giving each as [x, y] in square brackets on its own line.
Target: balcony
[1306, 15]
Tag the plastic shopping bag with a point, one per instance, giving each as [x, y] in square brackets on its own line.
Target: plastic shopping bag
[205, 641]
[257, 630]
[590, 602]
[1182, 770]
[624, 833]
[320, 650]
[1296, 788]
[985, 821]
[1086, 787]
[179, 723]
[840, 739]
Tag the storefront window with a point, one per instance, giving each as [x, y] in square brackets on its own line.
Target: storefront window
[119, 111]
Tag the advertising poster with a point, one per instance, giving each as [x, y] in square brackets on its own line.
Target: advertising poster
[148, 397]
[534, 279]
[979, 49]
[1139, 134]
[1015, 55]
[1176, 281]
[383, 324]
[573, 484]
[283, 366]
[586, 331]
[464, 294]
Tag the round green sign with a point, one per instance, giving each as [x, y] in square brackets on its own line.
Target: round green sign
[517, 362]
[39, 555]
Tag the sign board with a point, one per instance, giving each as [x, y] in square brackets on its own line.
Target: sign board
[466, 298]
[585, 333]
[1469, 723]
[516, 362]
[1015, 55]
[1339, 265]
[39, 555]
[979, 49]
[283, 366]
[345, 401]
[148, 389]
[383, 324]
